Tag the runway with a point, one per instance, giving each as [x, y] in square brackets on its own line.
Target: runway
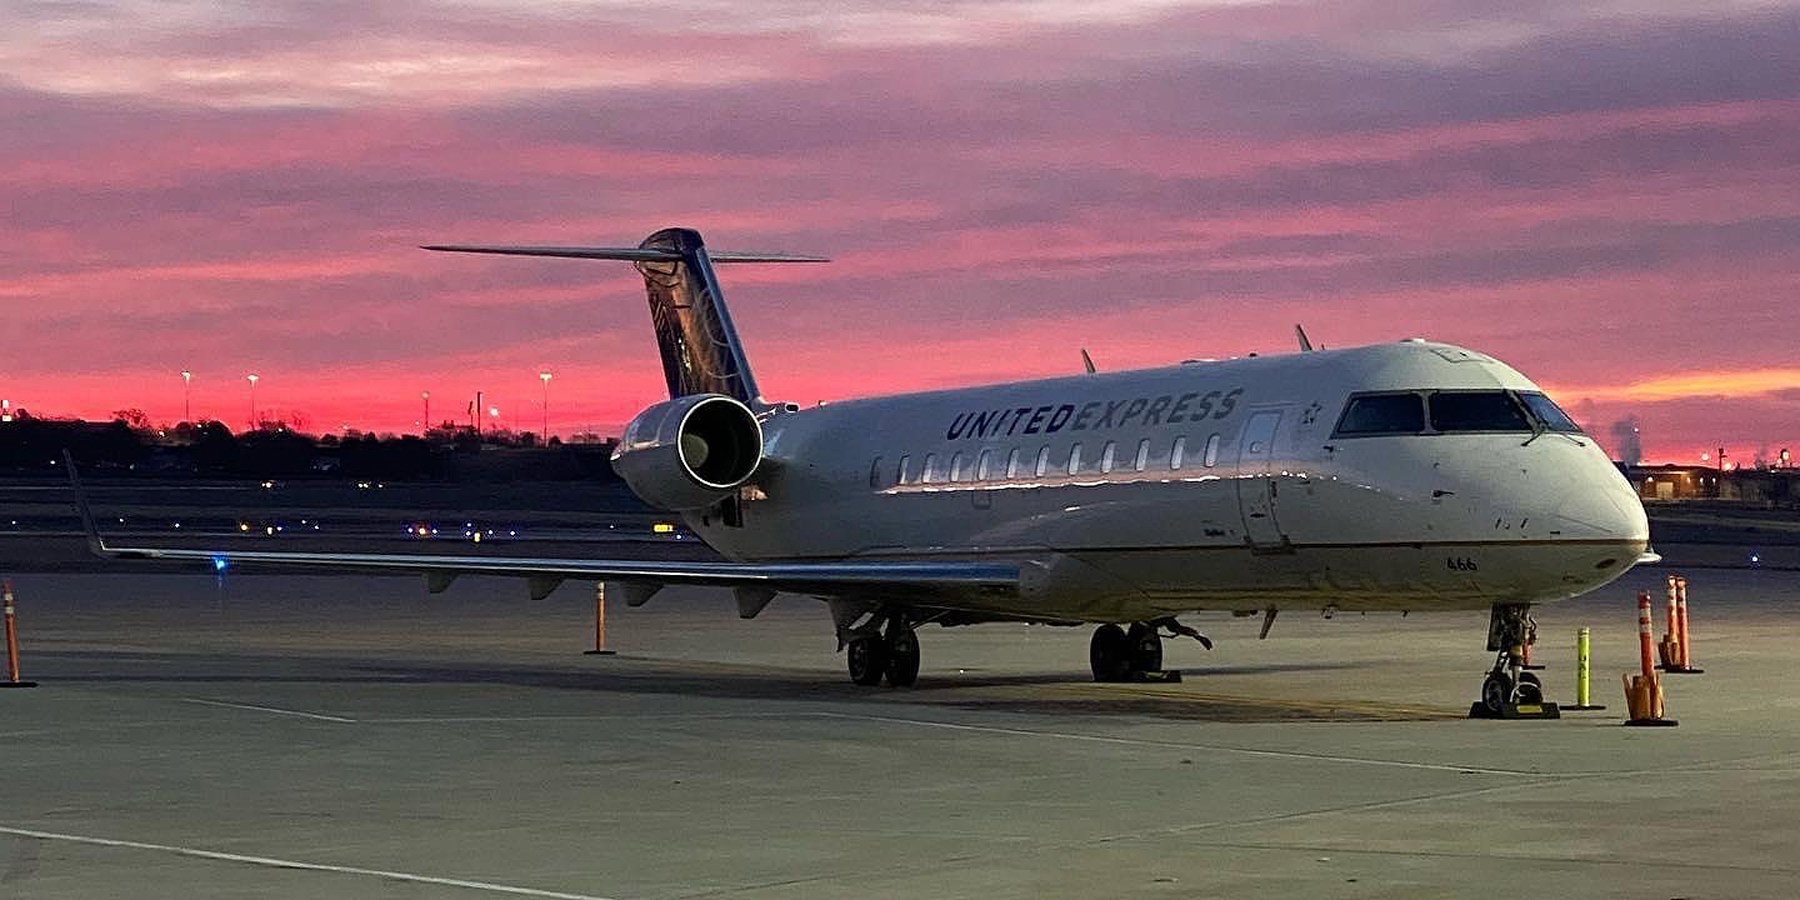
[312, 736]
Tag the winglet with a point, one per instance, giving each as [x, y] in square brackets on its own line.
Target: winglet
[95, 543]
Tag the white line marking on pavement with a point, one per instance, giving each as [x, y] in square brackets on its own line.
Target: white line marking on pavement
[1180, 745]
[574, 717]
[488, 886]
[269, 709]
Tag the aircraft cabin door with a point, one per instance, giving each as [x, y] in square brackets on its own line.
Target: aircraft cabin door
[1256, 482]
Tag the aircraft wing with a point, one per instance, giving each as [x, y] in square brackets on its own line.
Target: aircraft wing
[815, 578]
[900, 579]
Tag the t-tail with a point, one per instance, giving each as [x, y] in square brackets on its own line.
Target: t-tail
[701, 353]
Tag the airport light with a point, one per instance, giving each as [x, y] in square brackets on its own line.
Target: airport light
[6, 412]
[187, 395]
[253, 378]
[544, 435]
[426, 396]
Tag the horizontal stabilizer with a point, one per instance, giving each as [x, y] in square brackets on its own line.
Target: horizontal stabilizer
[628, 254]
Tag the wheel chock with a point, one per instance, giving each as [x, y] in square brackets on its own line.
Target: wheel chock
[1544, 710]
[1156, 676]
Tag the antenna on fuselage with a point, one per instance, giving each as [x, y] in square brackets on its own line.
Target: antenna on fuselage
[1087, 361]
[1300, 334]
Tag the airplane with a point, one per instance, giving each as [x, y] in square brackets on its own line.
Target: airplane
[1402, 476]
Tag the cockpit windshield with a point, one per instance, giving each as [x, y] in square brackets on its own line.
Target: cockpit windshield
[1549, 413]
[1383, 414]
[1477, 411]
[1452, 412]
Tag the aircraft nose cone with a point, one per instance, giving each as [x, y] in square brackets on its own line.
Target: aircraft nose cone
[1613, 513]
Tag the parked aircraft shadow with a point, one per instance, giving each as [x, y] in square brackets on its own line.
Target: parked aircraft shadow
[1040, 693]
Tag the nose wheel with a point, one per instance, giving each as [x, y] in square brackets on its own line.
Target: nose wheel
[1500, 689]
[1508, 691]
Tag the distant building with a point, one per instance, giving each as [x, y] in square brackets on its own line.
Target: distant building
[1672, 483]
[1771, 487]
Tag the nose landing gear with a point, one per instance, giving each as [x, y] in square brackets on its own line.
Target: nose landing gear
[1509, 692]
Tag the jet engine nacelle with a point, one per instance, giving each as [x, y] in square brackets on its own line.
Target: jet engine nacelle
[690, 452]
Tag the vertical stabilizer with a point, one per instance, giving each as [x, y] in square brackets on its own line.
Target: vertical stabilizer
[700, 349]
[701, 353]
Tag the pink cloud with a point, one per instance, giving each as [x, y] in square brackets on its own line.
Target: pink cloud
[1586, 193]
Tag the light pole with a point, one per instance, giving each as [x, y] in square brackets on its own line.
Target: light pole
[253, 378]
[426, 396]
[187, 396]
[544, 435]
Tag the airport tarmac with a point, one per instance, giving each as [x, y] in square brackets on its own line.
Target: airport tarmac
[311, 737]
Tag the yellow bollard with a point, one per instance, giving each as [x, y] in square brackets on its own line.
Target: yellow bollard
[1582, 670]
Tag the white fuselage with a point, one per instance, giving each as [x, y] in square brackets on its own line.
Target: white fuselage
[1210, 485]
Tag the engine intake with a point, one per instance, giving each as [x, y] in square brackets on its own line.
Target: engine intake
[690, 452]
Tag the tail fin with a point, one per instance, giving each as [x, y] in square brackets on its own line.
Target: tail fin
[701, 353]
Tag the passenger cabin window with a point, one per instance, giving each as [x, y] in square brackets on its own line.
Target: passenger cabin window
[932, 475]
[1212, 452]
[984, 467]
[1075, 459]
[1106, 456]
[1012, 464]
[1477, 411]
[1549, 413]
[1043, 461]
[1383, 414]
[1143, 455]
[875, 474]
[1177, 451]
[957, 470]
[903, 472]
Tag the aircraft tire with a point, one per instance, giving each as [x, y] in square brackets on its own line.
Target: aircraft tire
[1496, 690]
[1530, 689]
[1109, 654]
[902, 658]
[867, 660]
[1145, 648]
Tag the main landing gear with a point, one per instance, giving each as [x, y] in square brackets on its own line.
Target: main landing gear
[1116, 654]
[1509, 692]
[893, 655]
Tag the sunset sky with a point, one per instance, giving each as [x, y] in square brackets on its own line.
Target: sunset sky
[1605, 195]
